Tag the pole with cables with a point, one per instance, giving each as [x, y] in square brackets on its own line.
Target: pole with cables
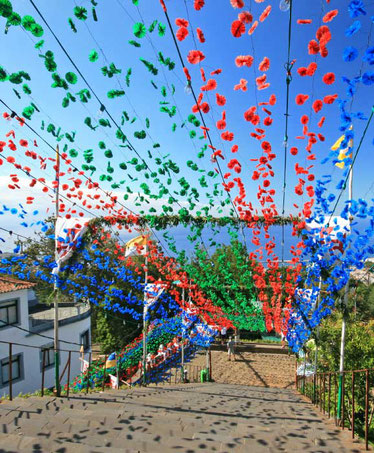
[144, 318]
[56, 294]
[344, 320]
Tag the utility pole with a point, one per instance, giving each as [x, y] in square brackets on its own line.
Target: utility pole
[56, 291]
[345, 305]
[182, 348]
[145, 309]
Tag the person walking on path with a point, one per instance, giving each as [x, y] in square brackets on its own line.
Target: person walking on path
[231, 349]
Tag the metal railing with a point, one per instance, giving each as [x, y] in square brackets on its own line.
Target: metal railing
[170, 371]
[352, 408]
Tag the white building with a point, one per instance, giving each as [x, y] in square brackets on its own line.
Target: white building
[25, 323]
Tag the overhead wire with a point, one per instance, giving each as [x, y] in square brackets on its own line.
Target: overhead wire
[288, 67]
[200, 114]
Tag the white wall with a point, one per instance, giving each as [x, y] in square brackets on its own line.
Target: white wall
[31, 357]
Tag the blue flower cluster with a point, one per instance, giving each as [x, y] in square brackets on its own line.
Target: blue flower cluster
[330, 248]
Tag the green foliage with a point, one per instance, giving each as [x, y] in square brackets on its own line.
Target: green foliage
[359, 345]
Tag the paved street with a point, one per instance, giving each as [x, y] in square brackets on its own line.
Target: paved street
[191, 418]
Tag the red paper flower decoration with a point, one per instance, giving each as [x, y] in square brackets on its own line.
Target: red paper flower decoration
[187, 74]
[330, 99]
[317, 105]
[272, 99]
[198, 4]
[311, 69]
[200, 35]
[181, 33]
[301, 99]
[253, 28]
[321, 121]
[220, 99]
[228, 136]
[237, 28]
[181, 22]
[323, 35]
[242, 85]
[304, 21]
[265, 13]
[264, 65]
[245, 17]
[313, 47]
[237, 3]
[294, 151]
[328, 17]
[211, 85]
[195, 56]
[244, 60]
[304, 119]
[268, 121]
[234, 148]
[329, 78]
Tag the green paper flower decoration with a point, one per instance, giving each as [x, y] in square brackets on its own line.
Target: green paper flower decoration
[71, 77]
[102, 145]
[37, 30]
[72, 25]
[6, 8]
[140, 135]
[93, 56]
[3, 74]
[39, 44]
[14, 19]
[139, 30]
[161, 29]
[134, 43]
[28, 112]
[26, 88]
[80, 13]
[28, 22]
[73, 153]
[115, 94]
[152, 26]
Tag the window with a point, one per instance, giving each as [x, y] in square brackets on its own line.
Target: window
[85, 340]
[8, 313]
[49, 356]
[17, 369]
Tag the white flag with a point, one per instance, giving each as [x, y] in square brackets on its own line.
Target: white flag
[113, 381]
[152, 292]
[67, 233]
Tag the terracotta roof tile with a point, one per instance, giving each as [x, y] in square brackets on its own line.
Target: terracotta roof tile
[8, 284]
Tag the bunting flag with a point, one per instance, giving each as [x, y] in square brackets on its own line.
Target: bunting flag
[111, 361]
[343, 153]
[152, 292]
[113, 381]
[68, 233]
[136, 246]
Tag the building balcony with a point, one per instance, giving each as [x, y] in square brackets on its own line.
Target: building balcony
[41, 317]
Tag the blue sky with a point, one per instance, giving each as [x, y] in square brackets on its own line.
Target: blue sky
[112, 33]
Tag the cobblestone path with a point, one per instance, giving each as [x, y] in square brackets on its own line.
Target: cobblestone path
[190, 418]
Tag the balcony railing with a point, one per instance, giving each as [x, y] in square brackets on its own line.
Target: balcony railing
[43, 319]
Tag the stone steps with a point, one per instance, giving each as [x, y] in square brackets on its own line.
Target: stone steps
[189, 418]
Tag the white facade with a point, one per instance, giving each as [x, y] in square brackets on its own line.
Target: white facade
[27, 365]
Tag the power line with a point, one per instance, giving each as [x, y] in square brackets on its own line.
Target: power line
[288, 68]
[200, 114]
[14, 113]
